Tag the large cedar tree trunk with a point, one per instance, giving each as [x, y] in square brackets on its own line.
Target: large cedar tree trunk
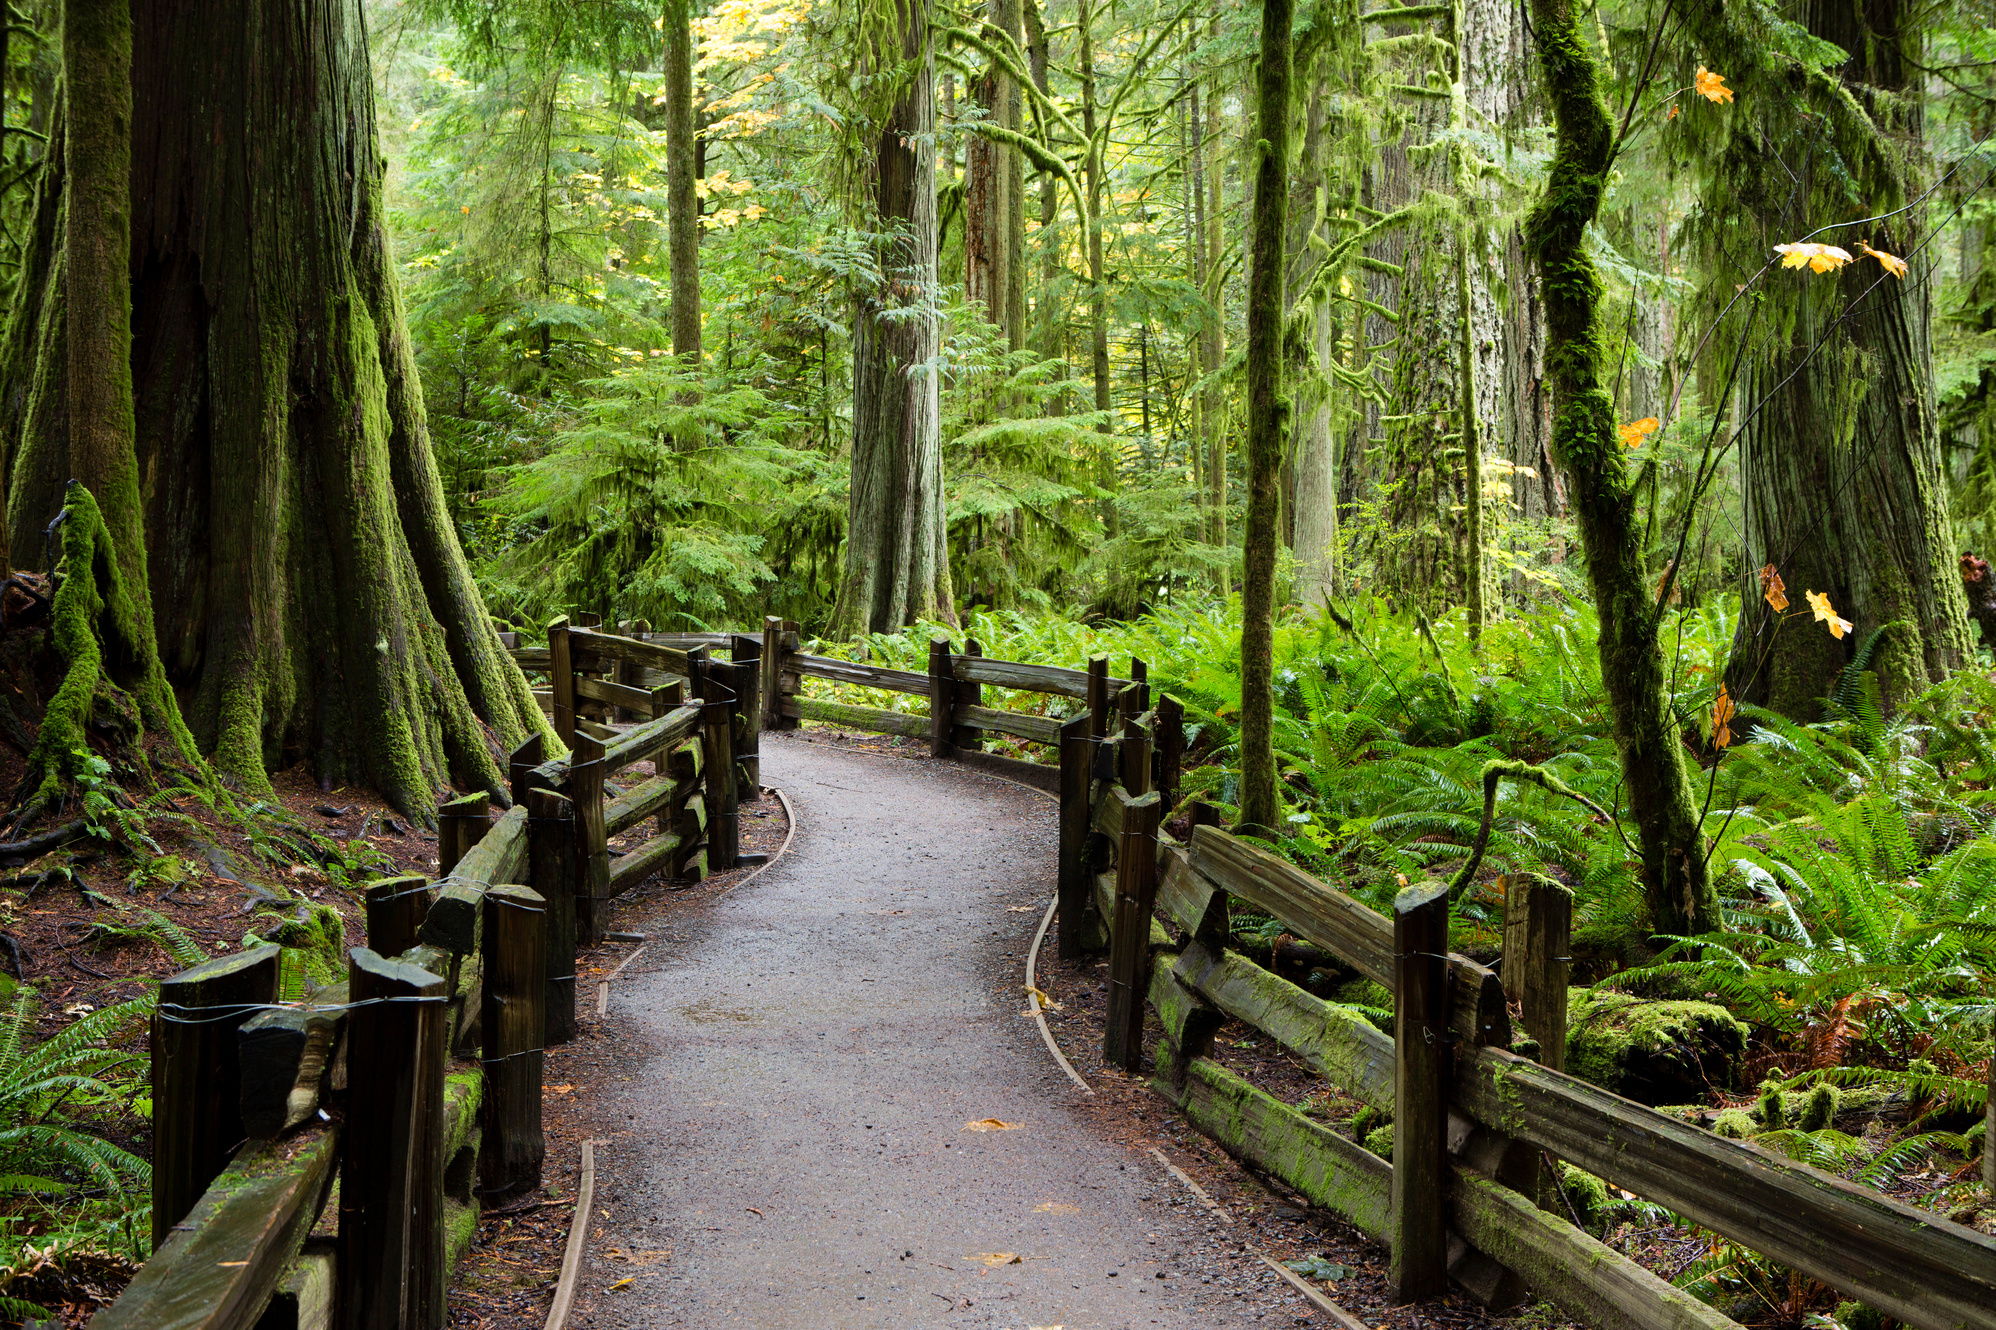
[310, 597]
[682, 201]
[1841, 471]
[897, 561]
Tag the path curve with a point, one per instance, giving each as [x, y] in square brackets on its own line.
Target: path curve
[796, 1137]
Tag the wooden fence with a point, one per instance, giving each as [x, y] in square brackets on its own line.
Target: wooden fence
[1467, 1196]
[412, 1090]
[429, 1056]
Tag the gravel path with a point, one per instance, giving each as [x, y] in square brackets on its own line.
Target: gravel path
[796, 1137]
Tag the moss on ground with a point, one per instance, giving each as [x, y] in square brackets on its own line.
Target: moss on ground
[1654, 1052]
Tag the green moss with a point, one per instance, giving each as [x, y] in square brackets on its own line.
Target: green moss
[1857, 1316]
[1380, 1141]
[1588, 1195]
[1653, 1051]
[1735, 1124]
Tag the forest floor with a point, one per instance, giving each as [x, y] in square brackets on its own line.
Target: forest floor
[787, 1080]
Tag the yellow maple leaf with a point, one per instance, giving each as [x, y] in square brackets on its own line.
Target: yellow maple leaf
[1633, 433]
[1712, 86]
[1772, 590]
[1722, 716]
[1819, 258]
[1673, 113]
[1819, 601]
[1892, 263]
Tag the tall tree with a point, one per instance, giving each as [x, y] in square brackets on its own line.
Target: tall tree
[682, 201]
[1841, 473]
[309, 595]
[1268, 418]
[1675, 880]
[897, 560]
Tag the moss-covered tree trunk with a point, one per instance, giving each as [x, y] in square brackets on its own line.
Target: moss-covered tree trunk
[682, 201]
[1841, 471]
[897, 559]
[1658, 782]
[309, 594]
[1093, 165]
[1268, 418]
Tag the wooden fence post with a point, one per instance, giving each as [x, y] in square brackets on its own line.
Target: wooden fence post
[942, 699]
[1076, 757]
[1135, 769]
[461, 824]
[772, 669]
[551, 872]
[512, 1149]
[1170, 748]
[1140, 676]
[1098, 698]
[1538, 946]
[592, 844]
[1129, 938]
[746, 652]
[1420, 1093]
[395, 1024]
[197, 1075]
[723, 828]
[561, 679]
[965, 695]
[588, 619]
[519, 767]
[396, 907]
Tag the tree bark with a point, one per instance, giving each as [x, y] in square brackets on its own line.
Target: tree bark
[1268, 420]
[309, 593]
[1092, 164]
[1841, 470]
[1213, 333]
[1661, 799]
[897, 561]
[682, 202]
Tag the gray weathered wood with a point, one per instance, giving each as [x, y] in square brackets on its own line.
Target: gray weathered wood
[856, 717]
[285, 1055]
[1027, 678]
[942, 699]
[642, 801]
[1134, 759]
[634, 866]
[395, 910]
[772, 666]
[1420, 1093]
[746, 652]
[1130, 928]
[1341, 1047]
[197, 1075]
[1075, 755]
[306, 1291]
[592, 844]
[219, 1267]
[531, 752]
[461, 823]
[966, 699]
[512, 1147]
[1040, 729]
[1538, 946]
[1912, 1264]
[627, 696]
[1568, 1268]
[593, 650]
[396, 1034]
[453, 918]
[722, 792]
[529, 659]
[855, 672]
[551, 873]
[650, 739]
[561, 680]
[1353, 931]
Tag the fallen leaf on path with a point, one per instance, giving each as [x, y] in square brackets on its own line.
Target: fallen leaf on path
[757, 1213]
[560, 1089]
[1056, 1208]
[625, 1282]
[1043, 999]
[990, 1124]
[1022, 909]
[996, 1258]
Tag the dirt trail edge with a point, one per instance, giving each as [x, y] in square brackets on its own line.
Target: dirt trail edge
[792, 1150]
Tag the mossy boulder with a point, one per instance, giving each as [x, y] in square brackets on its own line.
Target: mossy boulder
[1655, 1052]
